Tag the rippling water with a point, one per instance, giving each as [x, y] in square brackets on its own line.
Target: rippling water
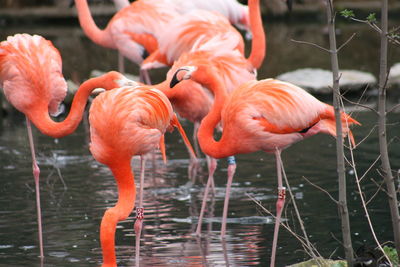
[76, 190]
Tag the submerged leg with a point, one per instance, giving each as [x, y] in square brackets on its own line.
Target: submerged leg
[140, 210]
[36, 173]
[231, 173]
[212, 165]
[279, 205]
[126, 201]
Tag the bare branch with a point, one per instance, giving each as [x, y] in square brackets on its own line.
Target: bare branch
[360, 105]
[298, 237]
[312, 44]
[369, 168]
[376, 192]
[297, 210]
[345, 43]
[370, 132]
[323, 190]
[393, 108]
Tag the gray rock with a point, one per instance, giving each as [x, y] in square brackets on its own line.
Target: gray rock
[319, 81]
[394, 74]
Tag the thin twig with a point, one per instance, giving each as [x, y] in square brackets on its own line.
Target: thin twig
[360, 105]
[296, 209]
[298, 237]
[393, 108]
[376, 192]
[345, 43]
[320, 188]
[369, 168]
[366, 137]
[312, 44]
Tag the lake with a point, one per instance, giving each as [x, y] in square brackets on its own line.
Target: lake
[72, 212]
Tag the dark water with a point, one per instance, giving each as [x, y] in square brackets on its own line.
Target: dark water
[72, 214]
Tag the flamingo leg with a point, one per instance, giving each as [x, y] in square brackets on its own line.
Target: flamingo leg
[140, 210]
[279, 205]
[145, 77]
[231, 173]
[36, 174]
[126, 201]
[194, 163]
[121, 65]
[196, 126]
[212, 165]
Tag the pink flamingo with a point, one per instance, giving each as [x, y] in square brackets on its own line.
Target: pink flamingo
[192, 30]
[31, 76]
[125, 122]
[142, 19]
[267, 115]
[193, 103]
[134, 30]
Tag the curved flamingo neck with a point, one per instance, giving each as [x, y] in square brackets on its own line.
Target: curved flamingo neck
[124, 177]
[100, 37]
[211, 147]
[40, 115]
[258, 44]
[164, 87]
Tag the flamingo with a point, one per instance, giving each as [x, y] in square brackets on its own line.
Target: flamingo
[134, 30]
[267, 115]
[125, 122]
[191, 29]
[201, 27]
[192, 102]
[31, 77]
[142, 19]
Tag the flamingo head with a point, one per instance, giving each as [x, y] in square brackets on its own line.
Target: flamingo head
[183, 73]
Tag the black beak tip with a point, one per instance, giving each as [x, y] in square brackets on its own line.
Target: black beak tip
[174, 80]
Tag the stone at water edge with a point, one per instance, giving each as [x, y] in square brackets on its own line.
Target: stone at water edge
[394, 74]
[319, 81]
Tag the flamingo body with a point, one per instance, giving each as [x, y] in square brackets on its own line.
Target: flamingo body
[270, 114]
[137, 27]
[190, 31]
[235, 12]
[31, 73]
[128, 121]
[141, 17]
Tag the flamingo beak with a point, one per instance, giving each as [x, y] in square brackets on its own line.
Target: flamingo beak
[187, 74]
